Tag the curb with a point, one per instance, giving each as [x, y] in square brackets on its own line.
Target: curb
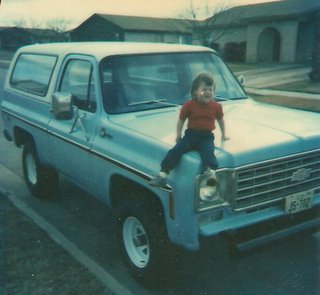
[104, 277]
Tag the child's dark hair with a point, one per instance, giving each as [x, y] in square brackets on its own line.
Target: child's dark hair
[201, 78]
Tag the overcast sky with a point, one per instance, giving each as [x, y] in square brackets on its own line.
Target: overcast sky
[39, 12]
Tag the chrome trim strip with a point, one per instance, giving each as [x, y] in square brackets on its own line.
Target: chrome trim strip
[262, 204]
[276, 160]
[281, 171]
[272, 190]
[141, 174]
[267, 202]
[257, 183]
[23, 119]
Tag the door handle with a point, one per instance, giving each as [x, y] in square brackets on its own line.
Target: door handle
[103, 133]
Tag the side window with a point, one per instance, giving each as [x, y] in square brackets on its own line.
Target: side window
[32, 73]
[78, 79]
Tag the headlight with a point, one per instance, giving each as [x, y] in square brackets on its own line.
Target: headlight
[208, 187]
[209, 190]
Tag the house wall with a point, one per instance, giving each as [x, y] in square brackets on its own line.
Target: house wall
[283, 41]
[155, 37]
[237, 34]
[140, 37]
[96, 29]
[176, 39]
[230, 43]
[288, 31]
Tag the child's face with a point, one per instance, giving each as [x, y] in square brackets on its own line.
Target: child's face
[204, 93]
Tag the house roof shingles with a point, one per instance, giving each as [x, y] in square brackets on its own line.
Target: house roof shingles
[139, 23]
[32, 31]
[268, 10]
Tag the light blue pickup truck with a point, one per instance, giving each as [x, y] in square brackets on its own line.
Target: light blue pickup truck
[104, 115]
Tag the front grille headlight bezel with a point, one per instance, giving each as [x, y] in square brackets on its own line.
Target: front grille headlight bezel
[269, 182]
[217, 196]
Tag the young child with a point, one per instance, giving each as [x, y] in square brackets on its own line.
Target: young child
[202, 111]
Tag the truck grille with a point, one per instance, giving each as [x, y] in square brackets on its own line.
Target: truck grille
[270, 182]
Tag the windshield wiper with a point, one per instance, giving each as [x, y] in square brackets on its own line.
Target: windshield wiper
[220, 98]
[242, 97]
[153, 101]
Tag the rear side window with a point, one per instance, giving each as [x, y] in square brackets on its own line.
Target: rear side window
[32, 73]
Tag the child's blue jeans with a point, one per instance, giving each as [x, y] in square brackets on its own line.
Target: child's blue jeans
[201, 141]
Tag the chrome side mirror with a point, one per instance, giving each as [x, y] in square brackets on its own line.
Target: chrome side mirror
[62, 105]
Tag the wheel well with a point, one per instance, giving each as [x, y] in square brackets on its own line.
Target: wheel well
[123, 190]
[21, 136]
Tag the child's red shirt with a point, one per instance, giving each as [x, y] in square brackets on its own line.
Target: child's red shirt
[201, 116]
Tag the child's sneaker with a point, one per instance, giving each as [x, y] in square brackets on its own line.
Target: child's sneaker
[159, 180]
[211, 177]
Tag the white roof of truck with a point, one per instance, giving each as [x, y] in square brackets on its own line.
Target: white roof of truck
[102, 49]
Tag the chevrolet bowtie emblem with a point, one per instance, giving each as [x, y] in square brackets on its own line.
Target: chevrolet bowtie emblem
[301, 174]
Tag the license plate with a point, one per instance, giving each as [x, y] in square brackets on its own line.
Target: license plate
[298, 202]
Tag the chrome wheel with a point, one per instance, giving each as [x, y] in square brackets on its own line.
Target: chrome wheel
[41, 181]
[142, 235]
[136, 242]
[31, 169]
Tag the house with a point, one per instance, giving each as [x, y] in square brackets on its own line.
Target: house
[12, 38]
[106, 27]
[283, 31]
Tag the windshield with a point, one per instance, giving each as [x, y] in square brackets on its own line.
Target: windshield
[141, 82]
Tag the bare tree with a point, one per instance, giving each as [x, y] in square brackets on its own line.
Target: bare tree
[35, 23]
[59, 25]
[20, 23]
[28, 23]
[34, 31]
[201, 18]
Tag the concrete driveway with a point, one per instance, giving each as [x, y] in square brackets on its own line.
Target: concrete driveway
[261, 79]
[273, 75]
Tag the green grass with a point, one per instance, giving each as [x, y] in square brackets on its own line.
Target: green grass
[35, 264]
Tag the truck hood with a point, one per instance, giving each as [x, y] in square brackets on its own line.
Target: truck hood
[257, 131]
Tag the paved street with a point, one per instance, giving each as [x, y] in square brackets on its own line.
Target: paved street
[285, 267]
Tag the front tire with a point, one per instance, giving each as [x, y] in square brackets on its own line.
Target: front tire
[41, 181]
[144, 243]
